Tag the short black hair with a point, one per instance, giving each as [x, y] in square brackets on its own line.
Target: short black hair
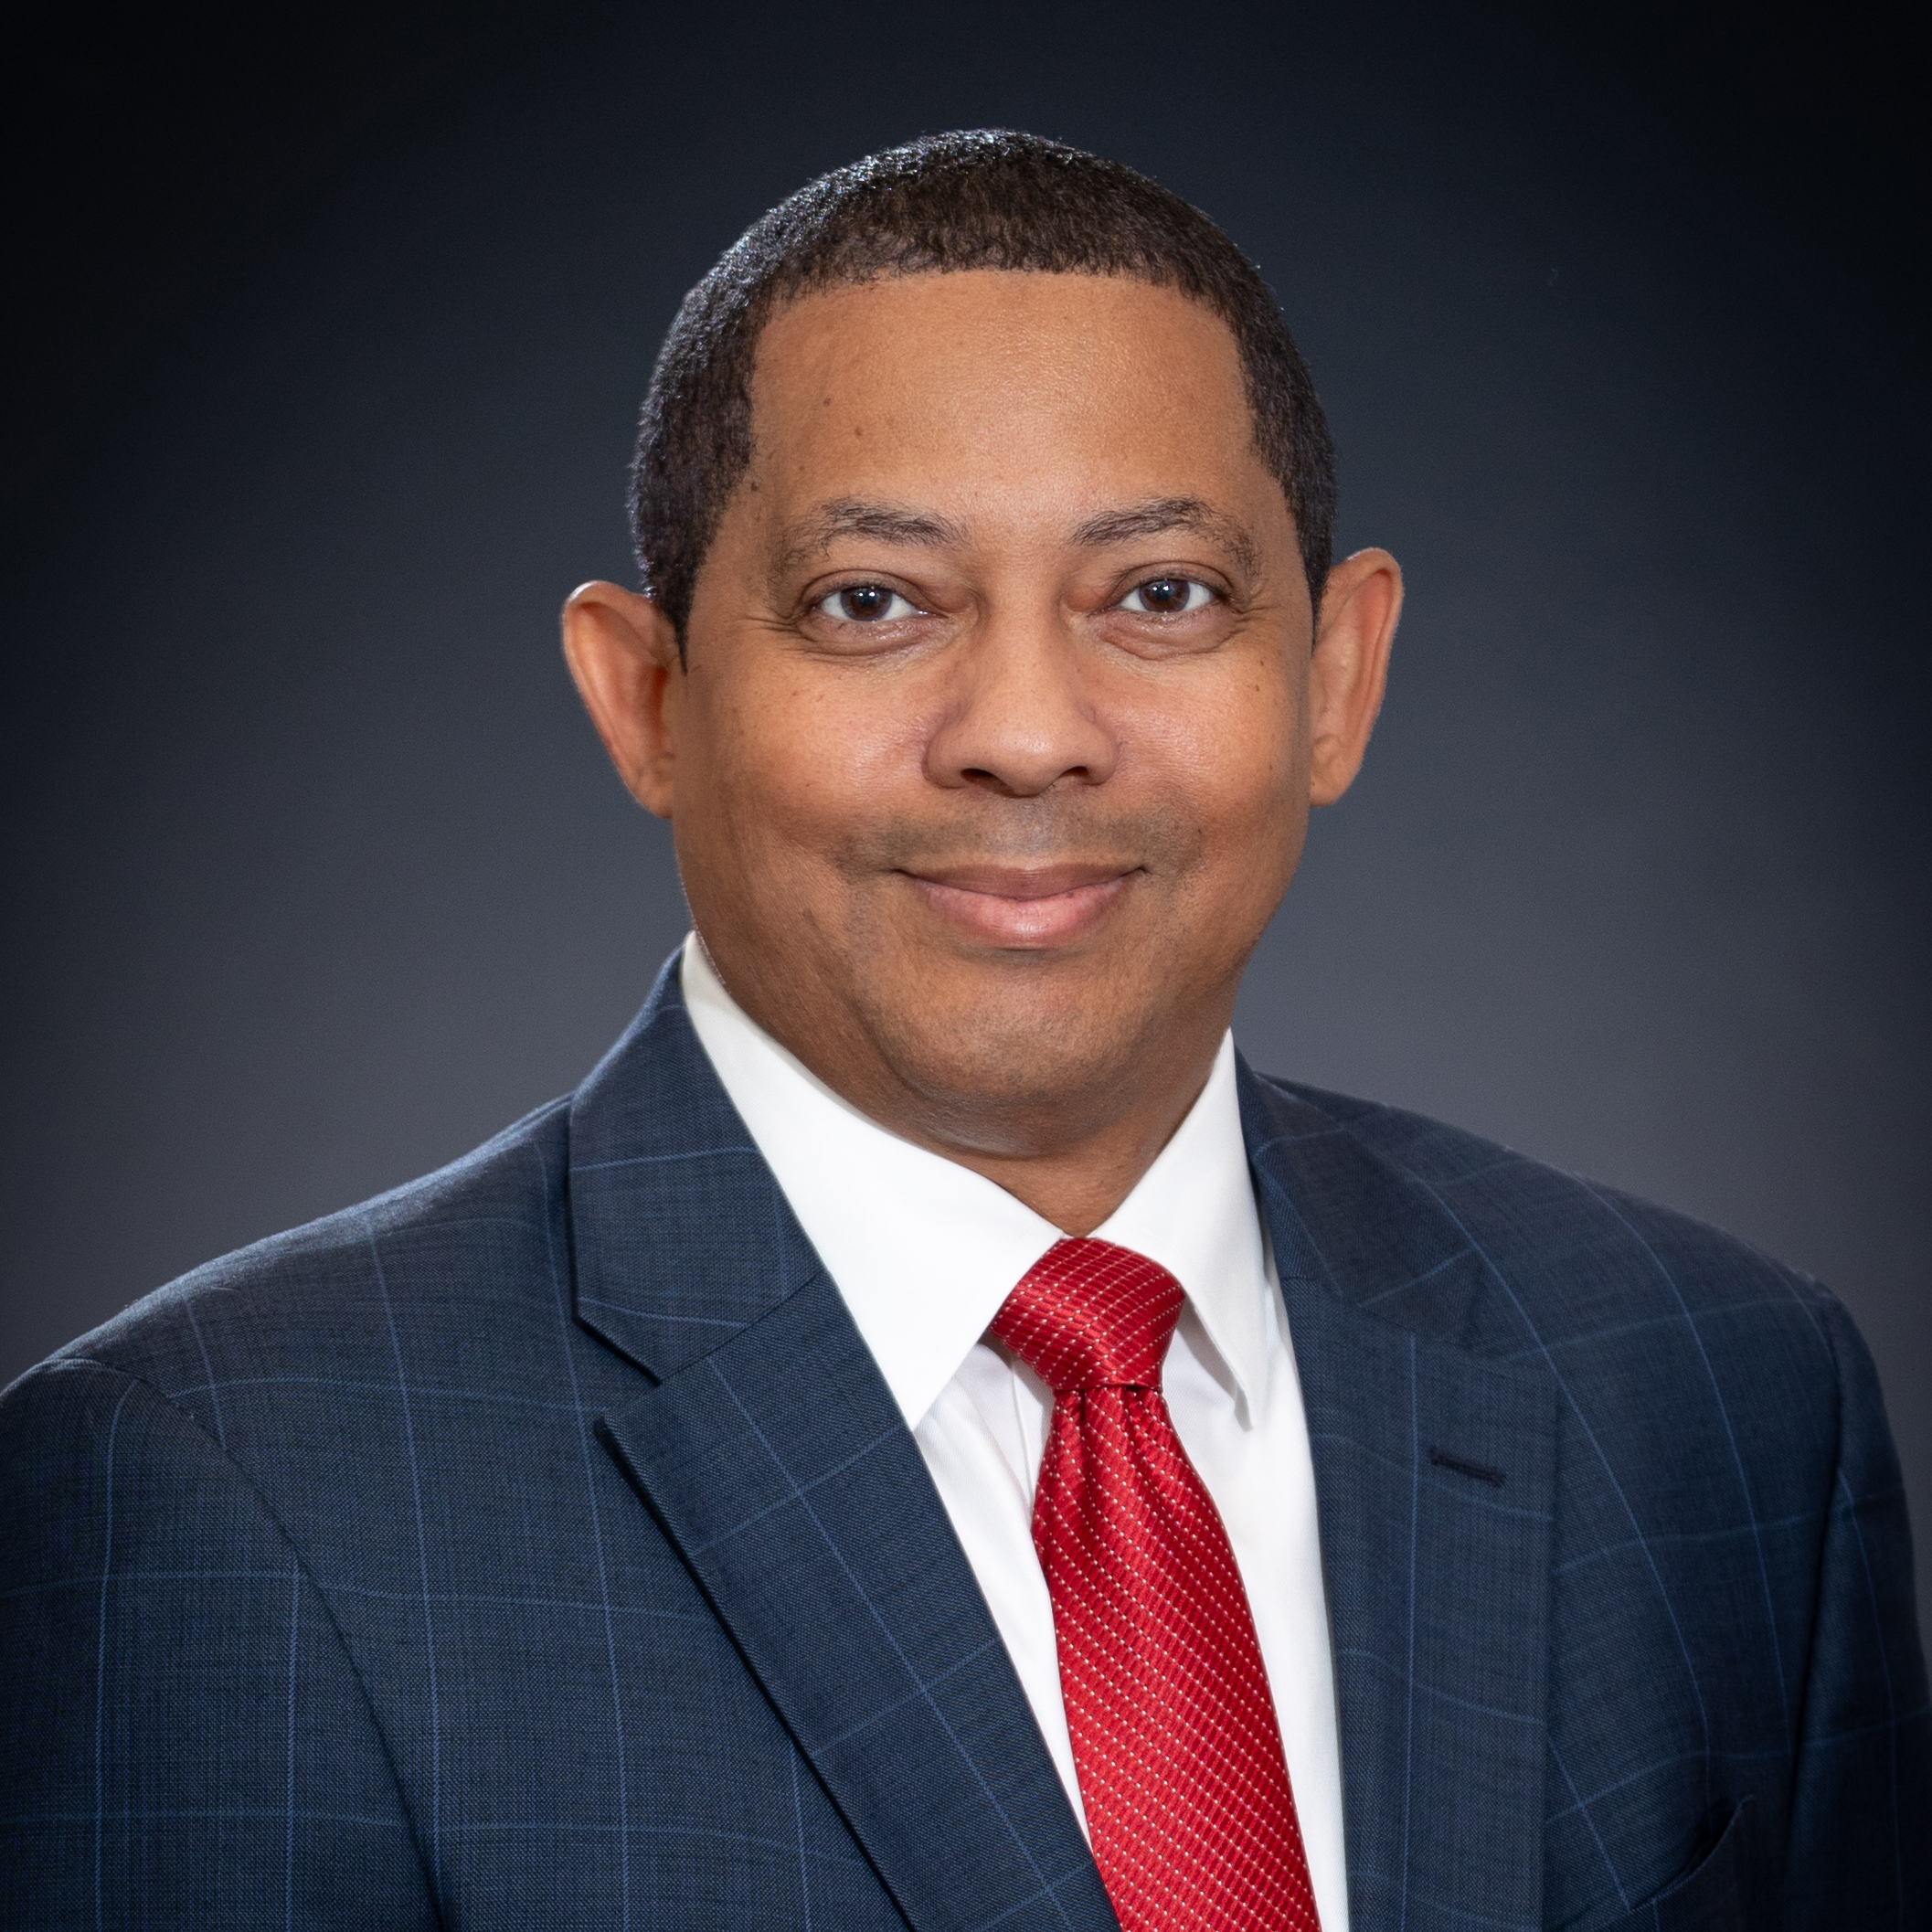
[989, 198]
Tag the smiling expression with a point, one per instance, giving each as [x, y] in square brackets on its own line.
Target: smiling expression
[989, 756]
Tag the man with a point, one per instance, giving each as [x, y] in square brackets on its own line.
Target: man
[925, 1436]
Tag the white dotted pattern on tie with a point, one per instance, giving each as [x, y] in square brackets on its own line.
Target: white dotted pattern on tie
[1174, 1736]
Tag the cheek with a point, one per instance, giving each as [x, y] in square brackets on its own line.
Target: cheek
[1233, 767]
[797, 763]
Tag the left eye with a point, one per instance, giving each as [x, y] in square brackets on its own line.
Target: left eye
[866, 604]
[1167, 596]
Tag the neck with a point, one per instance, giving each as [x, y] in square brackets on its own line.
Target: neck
[1073, 1157]
[1077, 1188]
[1070, 1140]
[1075, 1179]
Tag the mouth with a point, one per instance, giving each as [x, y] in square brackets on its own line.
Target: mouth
[1026, 908]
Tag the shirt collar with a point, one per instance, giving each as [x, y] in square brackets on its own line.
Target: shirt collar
[924, 1251]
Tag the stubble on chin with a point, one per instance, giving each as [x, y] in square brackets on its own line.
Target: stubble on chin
[998, 1068]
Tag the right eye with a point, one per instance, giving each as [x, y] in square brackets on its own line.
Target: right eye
[866, 604]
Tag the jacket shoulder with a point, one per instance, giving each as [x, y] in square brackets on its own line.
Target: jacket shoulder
[487, 1224]
[1540, 1265]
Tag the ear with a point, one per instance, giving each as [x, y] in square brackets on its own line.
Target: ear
[1359, 607]
[622, 653]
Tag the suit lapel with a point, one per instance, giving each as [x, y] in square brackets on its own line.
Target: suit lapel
[1434, 1473]
[773, 1454]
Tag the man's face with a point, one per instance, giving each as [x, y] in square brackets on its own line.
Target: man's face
[991, 757]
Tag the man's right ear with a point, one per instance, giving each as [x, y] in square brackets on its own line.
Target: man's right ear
[622, 653]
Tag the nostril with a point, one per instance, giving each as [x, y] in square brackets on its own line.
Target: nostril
[1018, 785]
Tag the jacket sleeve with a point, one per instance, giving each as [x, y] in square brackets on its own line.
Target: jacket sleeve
[1860, 1854]
[184, 1741]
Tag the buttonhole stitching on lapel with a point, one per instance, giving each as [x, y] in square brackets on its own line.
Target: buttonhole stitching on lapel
[1462, 1466]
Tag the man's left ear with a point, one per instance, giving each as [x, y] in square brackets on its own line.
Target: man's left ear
[1359, 607]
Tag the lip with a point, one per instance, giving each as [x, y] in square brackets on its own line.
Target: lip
[1027, 906]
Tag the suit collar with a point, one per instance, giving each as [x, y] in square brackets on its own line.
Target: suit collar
[680, 1235]
[1435, 1476]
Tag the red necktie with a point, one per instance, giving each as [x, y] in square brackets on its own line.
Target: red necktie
[1174, 1736]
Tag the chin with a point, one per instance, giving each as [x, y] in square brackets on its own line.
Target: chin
[1019, 1049]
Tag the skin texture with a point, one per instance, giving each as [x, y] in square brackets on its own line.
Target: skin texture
[1000, 715]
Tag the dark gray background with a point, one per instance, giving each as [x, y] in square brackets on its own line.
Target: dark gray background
[318, 877]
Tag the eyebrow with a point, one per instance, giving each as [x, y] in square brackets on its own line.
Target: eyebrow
[859, 517]
[896, 523]
[1157, 517]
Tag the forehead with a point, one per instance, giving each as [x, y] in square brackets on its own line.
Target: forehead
[990, 378]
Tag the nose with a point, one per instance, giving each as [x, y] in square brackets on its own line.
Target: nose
[1021, 719]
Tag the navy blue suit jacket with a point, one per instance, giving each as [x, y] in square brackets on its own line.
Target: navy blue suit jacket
[538, 1545]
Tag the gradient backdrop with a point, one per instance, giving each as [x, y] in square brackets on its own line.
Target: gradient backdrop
[317, 877]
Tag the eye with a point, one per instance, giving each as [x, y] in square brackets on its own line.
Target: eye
[1167, 596]
[866, 604]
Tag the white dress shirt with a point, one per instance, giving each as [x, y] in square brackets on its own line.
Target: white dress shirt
[924, 1251]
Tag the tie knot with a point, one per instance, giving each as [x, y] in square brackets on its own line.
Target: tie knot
[1090, 1315]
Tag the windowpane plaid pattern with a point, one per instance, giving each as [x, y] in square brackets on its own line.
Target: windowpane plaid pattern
[539, 1546]
[1182, 1772]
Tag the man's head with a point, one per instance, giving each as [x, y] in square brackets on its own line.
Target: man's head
[984, 691]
